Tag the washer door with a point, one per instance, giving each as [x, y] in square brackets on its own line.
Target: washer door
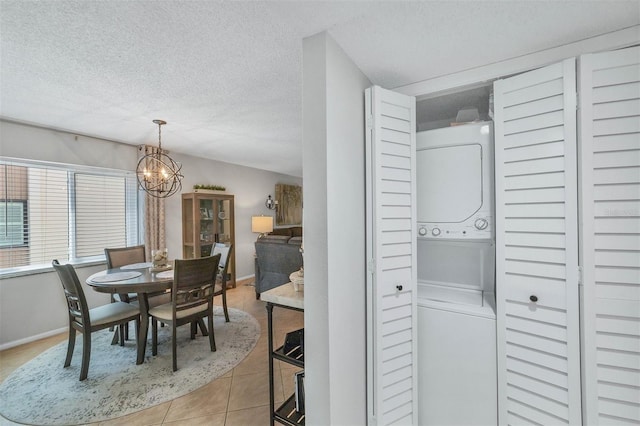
[449, 183]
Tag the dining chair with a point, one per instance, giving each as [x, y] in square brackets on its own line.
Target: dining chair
[86, 320]
[223, 274]
[117, 257]
[221, 280]
[191, 300]
[122, 256]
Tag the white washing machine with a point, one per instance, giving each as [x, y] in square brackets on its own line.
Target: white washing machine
[457, 379]
[457, 373]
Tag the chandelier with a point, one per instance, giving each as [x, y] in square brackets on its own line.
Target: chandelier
[157, 173]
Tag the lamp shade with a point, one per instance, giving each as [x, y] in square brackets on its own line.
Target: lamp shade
[261, 224]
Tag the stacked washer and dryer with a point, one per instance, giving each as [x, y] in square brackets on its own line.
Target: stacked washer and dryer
[456, 276]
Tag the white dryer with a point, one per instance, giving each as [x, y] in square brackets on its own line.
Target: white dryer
[454, 167]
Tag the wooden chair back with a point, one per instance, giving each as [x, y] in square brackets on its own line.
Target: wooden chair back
[193, 282]
[117, 257]
[73, 292]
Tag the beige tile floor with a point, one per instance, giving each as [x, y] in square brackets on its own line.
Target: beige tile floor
[240, 397]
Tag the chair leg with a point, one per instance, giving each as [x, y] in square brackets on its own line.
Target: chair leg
[203, 328]
[212, 340]
[174, 347]
[126, 331]
[137, 328]
[70, 346]
[154, 336]
[122, 335]
[116, 336]
[194, 329]
[224, 306]
[86, 354]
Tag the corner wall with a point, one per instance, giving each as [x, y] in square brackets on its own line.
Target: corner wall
[334, 194]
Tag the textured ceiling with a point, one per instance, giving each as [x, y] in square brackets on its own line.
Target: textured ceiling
[226, 76]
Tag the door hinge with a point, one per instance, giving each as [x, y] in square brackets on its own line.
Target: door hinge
[369, 121]
[371, 266]
[579, 275]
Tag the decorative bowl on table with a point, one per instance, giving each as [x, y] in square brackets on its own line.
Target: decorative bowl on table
[159, 260]
[297, 280]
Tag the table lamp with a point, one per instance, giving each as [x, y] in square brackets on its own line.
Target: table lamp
[262, 225]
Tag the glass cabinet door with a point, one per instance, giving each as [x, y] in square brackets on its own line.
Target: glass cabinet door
[224, 221]
[188, 229]
[207, 228]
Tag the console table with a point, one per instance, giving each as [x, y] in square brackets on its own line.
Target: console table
[285, 297]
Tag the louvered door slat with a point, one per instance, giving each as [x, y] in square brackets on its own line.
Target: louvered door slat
[547, 180]
[543, 404]
[391, 253]
[542, 343]
[619, 342]
[622, 142]
[531, 152]
[541, 328]
[534, 137]
[523, 410]
[610, 234]
[614, 412]
[534, 371]
[538, 386]
[615, 93]
[617, 375]
[626, 360]
[616, 290]
[536, 247]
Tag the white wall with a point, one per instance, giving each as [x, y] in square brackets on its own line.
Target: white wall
[38, 297]
[333, 171]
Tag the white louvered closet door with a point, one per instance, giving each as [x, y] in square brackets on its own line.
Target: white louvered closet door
[391, 257]
[610, 235]
[536, 247]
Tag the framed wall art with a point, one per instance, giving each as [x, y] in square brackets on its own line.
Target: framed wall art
[289, 211]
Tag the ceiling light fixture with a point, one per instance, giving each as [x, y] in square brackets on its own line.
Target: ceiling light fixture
[157, 173]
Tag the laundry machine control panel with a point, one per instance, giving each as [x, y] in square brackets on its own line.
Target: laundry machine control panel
[479, 228]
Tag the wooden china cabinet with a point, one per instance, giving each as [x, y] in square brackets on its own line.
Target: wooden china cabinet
[207, 219]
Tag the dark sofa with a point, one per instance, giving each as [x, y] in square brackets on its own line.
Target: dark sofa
[277, 256]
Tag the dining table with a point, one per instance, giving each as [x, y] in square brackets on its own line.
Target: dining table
[135, 278]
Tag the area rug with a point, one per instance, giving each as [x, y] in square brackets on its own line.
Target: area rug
[42, 392]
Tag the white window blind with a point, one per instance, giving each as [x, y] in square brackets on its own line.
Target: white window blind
[100, 213]
[60, 212]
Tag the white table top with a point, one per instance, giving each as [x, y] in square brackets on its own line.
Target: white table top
[284, 295]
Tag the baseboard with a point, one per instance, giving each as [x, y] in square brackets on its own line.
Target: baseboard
[30, 339]
[247, 279]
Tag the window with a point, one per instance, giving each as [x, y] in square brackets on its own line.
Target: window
[13, 217]
[69, 213]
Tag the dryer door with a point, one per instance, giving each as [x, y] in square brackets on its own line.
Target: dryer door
[449, 181]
